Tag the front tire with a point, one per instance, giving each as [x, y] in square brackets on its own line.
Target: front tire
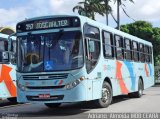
[53, 105]
[107, 94]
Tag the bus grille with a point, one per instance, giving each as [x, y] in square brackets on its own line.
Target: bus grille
[45, 76]
[46, 87]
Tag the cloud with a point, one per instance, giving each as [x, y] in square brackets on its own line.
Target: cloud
[141, 10]
[63, 6]
[9, 17]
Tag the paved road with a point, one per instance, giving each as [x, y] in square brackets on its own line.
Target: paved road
[150, 102]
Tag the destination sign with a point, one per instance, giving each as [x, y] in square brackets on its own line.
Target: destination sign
[48, 24]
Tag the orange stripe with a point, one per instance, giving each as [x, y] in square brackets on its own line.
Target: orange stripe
[123, 87]
[5, 76]
[146, 70]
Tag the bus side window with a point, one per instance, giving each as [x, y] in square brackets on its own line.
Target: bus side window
[135, 51]
[141, 54]
[150, 54]
[3, 47]
[108, 48]
[119, 47]
[146, 50]
[128, 52]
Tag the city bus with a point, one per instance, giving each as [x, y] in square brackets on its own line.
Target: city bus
[66, 59]
[7, 69]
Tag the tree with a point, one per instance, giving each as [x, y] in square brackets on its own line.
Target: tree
[90, 7]
[122, 5]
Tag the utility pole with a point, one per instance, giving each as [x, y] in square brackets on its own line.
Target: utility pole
[118, 15]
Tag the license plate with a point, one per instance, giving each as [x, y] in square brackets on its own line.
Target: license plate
[44, 96]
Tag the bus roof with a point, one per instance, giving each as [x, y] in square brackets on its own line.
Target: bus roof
[96, 24]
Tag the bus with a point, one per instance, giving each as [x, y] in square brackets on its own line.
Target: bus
[67, 58]
[7, 69]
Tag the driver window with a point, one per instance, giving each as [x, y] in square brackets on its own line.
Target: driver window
[92, 44]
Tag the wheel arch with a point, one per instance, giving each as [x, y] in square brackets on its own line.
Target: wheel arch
[107, 79]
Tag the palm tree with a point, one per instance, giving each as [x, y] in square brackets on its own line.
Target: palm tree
[122, 5]
[108, 10]
[90, 7]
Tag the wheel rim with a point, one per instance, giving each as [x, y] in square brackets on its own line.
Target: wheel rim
[105, 95]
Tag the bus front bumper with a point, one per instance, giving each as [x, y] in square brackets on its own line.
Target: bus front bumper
[75, 94]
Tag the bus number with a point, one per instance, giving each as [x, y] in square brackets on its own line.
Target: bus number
[29, 26]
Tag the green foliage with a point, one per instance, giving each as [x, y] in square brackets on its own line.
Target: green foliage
[90, 7]
[145, 30]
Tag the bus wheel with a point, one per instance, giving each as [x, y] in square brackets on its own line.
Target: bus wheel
[14, 99]
[139, 93]
[106, 99]
[53, 105]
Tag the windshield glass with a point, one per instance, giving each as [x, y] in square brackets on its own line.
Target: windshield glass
[61, 50]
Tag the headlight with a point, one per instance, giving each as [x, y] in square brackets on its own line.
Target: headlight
[20, 86]
[74, 83]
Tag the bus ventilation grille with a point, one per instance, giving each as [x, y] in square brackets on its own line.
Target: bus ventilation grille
[45, 77]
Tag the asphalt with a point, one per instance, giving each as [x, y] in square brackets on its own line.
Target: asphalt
[148, 103]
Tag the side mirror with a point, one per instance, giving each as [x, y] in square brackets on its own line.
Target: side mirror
[4, 57]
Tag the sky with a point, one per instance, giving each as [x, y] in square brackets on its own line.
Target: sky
[14, 11]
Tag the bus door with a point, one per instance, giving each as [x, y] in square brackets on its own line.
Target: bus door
[93, 65]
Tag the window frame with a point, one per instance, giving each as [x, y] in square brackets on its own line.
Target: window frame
[135, 51]
[126, 50]
[122, 47]
[86, 46]
[142, 53]
[110, 45]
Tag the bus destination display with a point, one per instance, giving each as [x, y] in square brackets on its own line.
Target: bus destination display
[48, 24]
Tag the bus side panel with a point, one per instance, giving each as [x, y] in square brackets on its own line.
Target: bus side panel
[7, 81]
[109, 71]
[148, 75]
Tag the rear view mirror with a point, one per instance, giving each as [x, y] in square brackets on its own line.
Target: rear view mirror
[4, 57]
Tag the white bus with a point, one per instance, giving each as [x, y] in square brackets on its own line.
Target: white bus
[73, 58]
[7, 70]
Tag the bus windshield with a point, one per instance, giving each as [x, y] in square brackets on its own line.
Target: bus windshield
[55, 51]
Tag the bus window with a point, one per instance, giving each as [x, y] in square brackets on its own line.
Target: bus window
[92, 44]
[128, 52]
[150, 54]
[108, 47]
[141, 54]
[135, 51]
[119, 47]
[3, 48]
[146, 50]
